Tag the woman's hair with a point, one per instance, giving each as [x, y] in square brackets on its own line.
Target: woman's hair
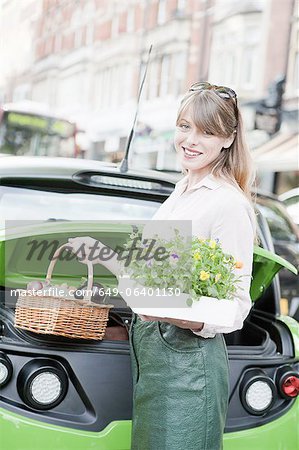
[221, 117]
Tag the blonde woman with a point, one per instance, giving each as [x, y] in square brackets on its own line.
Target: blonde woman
[180, 368]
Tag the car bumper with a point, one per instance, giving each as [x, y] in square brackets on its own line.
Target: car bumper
[20, 433]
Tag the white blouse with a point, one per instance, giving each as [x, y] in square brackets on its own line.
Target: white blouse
[218, 210]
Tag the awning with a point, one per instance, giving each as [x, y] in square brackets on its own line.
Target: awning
[280, 154]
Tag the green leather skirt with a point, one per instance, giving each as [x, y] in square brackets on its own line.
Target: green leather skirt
[180, 388]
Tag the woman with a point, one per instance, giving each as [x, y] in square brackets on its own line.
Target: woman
[180, 368]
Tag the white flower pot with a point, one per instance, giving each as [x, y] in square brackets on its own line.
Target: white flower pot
[152, 302]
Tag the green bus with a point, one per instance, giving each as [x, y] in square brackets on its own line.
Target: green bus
[28, 128]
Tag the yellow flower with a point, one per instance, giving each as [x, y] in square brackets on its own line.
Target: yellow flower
[217, 277]
[238, 264]
[204, 275]
[212, 244]
[197, 256]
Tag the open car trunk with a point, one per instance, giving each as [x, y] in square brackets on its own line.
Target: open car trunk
[23, 264]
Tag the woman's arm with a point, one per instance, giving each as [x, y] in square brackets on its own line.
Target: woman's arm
[235, 229]
[194, 326]
[87, 248]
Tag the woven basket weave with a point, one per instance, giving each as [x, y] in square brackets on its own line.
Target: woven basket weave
[80, 319]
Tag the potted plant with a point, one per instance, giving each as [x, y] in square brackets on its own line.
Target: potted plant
[188, 280]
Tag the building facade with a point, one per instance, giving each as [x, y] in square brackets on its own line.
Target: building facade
[88, 58]
[17, 34]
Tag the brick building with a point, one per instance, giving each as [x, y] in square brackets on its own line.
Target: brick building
[89, 55]
[89, 59]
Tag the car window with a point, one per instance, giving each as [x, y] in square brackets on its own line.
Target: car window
[21, 203]
[279, 224]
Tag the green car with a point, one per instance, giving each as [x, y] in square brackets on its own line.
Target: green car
[75, 394]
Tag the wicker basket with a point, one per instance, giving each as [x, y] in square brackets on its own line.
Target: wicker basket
[71, 318]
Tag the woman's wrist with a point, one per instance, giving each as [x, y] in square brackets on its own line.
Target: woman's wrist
[197, 330]
[112, 263]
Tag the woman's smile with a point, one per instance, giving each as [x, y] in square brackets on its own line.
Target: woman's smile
[191, 153]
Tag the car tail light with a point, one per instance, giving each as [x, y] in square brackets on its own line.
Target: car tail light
[290, 386]
[287, 381]
[5, 369]
[257, 392]
[45, 388]
[42, 384]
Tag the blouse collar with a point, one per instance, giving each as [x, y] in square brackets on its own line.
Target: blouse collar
[209, 181]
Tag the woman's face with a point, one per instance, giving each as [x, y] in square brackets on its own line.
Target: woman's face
[196, 149]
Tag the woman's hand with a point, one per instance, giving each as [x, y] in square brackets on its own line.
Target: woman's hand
[195, 326]
[86, 248]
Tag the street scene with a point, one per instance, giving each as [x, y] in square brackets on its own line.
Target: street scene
[149, 227]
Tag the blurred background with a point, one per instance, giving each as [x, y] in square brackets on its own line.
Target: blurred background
[71, 69]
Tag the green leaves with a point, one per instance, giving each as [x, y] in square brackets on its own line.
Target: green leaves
[195, 266]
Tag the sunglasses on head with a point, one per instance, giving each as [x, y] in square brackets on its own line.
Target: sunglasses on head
[222, 91]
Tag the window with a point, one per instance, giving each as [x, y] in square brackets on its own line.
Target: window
[248, 66]
[57, 43]
[179, 72]
[105, 87]
[279, 225]
[130, 20]
[42, 205]
[88, 19]
[115, 85]
[296, 72]
[161, 12]
[230, 68]
[88, 11]
[78, 37]
[115, 26]
[89, 34]
[181, 5]
[165, 69]
[72, 91]
[125, 83]
[153, 80]
[76, 26]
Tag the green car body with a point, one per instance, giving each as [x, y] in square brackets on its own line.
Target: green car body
[25, 428]
[30, 434]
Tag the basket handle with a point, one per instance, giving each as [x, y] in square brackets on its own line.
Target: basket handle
[89, 269]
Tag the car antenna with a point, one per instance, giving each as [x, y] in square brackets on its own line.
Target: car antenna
[124, 163]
